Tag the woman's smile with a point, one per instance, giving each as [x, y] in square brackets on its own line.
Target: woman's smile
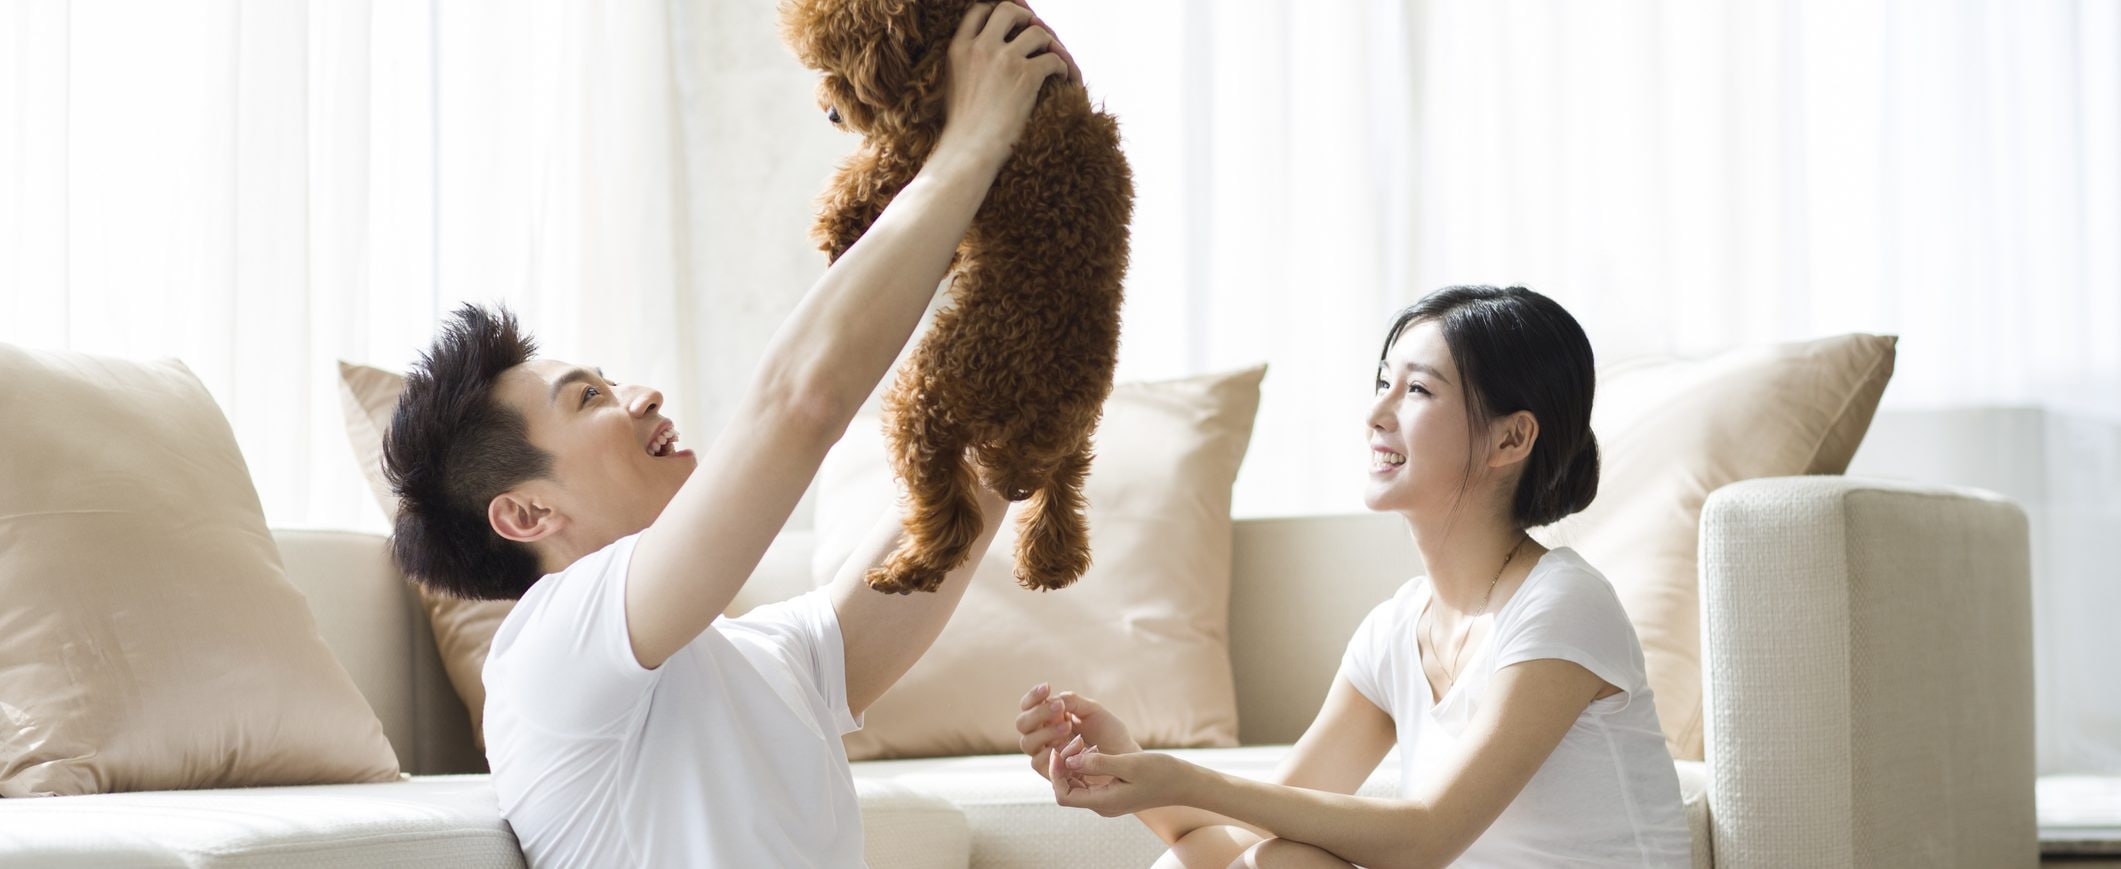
[1384, 462]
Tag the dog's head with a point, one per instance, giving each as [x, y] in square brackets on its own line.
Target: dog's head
[883, 61]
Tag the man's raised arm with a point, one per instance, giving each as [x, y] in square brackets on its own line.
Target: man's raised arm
[831, 352]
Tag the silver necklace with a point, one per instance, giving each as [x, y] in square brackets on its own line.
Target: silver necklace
[1450, 673]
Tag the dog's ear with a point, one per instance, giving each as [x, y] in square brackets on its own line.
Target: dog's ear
[826, 35]
[882, 59]
[881, 71]
[879, 81]
[805, 27]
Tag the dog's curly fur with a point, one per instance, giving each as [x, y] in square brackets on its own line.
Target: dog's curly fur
[1018, 369]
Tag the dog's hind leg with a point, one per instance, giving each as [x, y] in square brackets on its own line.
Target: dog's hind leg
[1053, 544]
[942, 514]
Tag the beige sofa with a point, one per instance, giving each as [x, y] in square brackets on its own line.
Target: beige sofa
[1869, 666]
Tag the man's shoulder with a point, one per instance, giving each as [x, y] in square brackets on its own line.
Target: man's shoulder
[594, 573]
[614, 555]
[561, 601]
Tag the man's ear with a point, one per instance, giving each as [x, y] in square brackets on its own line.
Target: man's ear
[1514, 436]
[522, 518]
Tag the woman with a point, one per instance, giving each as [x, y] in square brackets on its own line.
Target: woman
[1508, 677]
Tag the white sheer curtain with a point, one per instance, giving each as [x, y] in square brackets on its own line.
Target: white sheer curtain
[1685, 177]
[262, 188]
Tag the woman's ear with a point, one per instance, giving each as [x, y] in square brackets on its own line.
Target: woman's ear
[522, 518]
[1513, 437]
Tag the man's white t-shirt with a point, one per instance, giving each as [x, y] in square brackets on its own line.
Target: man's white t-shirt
[1608, 795]
[728, 754]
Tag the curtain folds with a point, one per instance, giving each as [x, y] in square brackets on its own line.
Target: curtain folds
[261, 187]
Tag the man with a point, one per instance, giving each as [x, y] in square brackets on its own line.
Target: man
[625, 722]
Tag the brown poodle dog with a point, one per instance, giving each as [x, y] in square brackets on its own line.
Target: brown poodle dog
[1016, 371]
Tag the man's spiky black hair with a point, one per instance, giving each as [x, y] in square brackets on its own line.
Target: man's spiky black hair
[452, 447]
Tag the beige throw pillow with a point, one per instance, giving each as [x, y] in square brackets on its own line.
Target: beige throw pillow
[463, 629]
[149, 639]
[1145, 630]
[1674, 430]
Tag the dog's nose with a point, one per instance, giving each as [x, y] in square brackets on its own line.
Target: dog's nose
[832, 113]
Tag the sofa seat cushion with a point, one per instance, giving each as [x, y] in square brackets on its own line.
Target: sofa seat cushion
[413, 822]
[1016, 824]
[904, 827]
[1694, 792]
[427, 821]
[930, 813]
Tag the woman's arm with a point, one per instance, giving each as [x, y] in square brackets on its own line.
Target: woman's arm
[1336, 753]
[1534, 705]
[831, 351]
[1342, 746]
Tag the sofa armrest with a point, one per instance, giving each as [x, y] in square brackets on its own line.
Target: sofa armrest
[1869, 668]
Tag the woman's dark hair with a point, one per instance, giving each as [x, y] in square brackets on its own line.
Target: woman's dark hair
[451, 448]
[1518, 350]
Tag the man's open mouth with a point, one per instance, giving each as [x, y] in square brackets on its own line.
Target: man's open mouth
[665, 442]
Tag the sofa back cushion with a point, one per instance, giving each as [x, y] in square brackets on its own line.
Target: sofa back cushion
[1299, 586]
[375, 624]
[148, 638]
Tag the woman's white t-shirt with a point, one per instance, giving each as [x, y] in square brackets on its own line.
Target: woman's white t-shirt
[1608, 795]
[727, 755]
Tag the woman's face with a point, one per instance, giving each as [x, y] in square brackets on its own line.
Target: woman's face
[1418, 437]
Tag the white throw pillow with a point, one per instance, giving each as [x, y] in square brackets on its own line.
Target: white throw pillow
[1146, 629]
[149, 639]
[1672, 431]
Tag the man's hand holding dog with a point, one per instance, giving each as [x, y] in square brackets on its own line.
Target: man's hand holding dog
[1000, 57]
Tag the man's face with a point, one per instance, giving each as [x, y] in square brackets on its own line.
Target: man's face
[616, 461]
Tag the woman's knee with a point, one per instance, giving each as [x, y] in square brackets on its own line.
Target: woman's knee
[1284, 854]
[1207, 848]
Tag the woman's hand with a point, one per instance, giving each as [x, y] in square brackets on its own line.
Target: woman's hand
[1049, 720]
[994, 79]
[1116, 784]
